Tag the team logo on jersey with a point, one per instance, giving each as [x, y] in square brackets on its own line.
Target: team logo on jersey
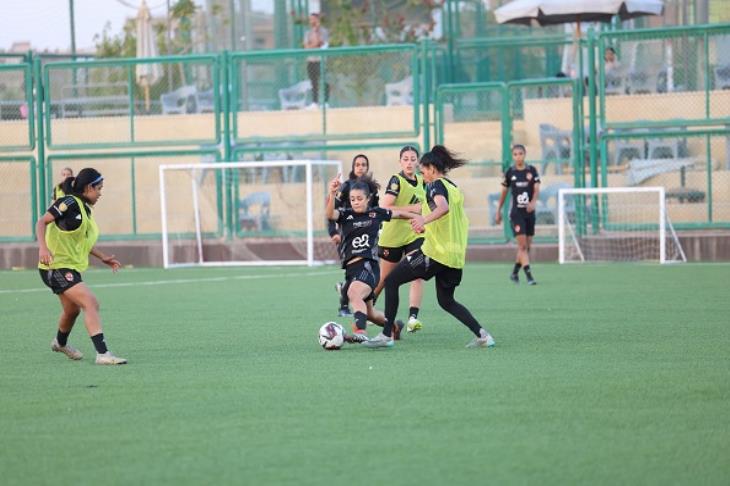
[69, 276]
[386, 252]
[517, 228]
[514, 178]
[361, 241]
[62, 207]
[350, 217]
[529, 176]
[394, 186]
[371, 215]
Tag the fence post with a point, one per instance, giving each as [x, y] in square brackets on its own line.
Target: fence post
[41, 140]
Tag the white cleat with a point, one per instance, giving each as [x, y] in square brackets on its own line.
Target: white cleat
[482, 342]
[414, 325]
[379, 341]
[109, 359]
[69, 351]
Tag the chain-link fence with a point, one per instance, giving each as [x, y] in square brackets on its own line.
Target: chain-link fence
[18, 197]
[326, 94]
[692, 166]
[675, 76]
[123, 102]
[130, 206]
[508, 59]
[16, 108]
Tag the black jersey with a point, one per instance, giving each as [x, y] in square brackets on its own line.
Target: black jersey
[360, 233]
[342, 201]
[67, 213]
[436, 188]
[522, 183]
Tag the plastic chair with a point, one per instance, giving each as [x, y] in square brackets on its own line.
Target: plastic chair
[399, 93]
[247, 219]
[556, 146]
[182, 100]
[295, 97]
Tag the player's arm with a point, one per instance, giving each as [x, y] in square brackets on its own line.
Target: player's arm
[535, 192]
[44, 254]
[106, 259]
[330, 211]
[442, 208]
[502, 197]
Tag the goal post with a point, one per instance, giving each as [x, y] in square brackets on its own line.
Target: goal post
[245, 213]
[616, 224]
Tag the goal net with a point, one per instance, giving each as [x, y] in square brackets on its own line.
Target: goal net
[246, 213]
[618, 224]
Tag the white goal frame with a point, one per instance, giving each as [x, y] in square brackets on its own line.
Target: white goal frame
[307, 164]
[598, 191]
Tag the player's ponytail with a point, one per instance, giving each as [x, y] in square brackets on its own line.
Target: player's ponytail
[352, 175]
[366, 184]
[76, 185]
[442, 159]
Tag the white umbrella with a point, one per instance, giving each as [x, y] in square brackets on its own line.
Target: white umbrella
[550, 12]
[147, 74]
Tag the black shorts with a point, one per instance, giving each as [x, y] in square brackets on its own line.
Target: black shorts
[394, 255]
[523, 223]
[365, 271]
[60, 280]
[424, 267]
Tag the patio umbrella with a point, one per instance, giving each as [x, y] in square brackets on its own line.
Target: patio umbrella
[147, 73]
[551, 12]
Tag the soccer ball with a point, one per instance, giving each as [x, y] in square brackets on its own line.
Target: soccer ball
[331, 336]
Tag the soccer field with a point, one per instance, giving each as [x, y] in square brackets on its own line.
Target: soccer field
[613, 374]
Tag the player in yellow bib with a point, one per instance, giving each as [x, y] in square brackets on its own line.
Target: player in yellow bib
[66, 236]
[442, 255]
[57, 192]
[406, 191]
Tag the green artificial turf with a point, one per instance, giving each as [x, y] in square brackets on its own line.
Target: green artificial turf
[610, 374]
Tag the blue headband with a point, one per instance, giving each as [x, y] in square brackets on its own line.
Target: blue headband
[97, 180]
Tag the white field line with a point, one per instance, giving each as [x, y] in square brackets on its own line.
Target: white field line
[43, 288]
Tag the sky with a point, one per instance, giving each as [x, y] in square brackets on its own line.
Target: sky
[45, 23]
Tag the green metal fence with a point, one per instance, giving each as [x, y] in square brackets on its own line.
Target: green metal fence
[19, 197]
[324, 92]
[143, 102]
[16, 108]
[676, 77]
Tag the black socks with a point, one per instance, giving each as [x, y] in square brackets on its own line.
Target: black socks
[62, 337]
[361, 320]
[99, 343]
[413, 312]
[527, 271]
[517, 267]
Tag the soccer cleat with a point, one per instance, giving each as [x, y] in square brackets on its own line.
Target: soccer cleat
[356, 338]
[482, 342]
[397, 329]
[514, 277]
[531, 281]
[109, 359]
[414, 324]
[357, 330]
[344, 312]
[69, 351]
[379, 341]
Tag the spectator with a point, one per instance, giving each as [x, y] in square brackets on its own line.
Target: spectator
[317, 37]
[611, 62]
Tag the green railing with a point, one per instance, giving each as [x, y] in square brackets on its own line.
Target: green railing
[109, 88]
[16, 107]
[111, 165]
[340, 78]
[20, 198]
[677, 77]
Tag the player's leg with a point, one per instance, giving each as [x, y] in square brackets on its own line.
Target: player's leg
[415, 297]
[446, 282]
[529, 234]
[69, 313]
[357, 293]
[82, 296]
[386, 266]
[344, 310]
[518, 230]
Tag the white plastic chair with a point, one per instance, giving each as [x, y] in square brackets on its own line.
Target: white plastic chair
[182, 100]
[295, 97]
[399, 93]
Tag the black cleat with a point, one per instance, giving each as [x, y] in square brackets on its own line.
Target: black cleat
[514, 278]
[356, 338]
[531, 281]
[344, 312]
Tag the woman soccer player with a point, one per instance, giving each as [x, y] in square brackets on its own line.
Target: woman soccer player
[360, 225]
[57, 192]
[66, 236]
[443, 252]
[525, 184]
[406, 191]
[360, 168]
